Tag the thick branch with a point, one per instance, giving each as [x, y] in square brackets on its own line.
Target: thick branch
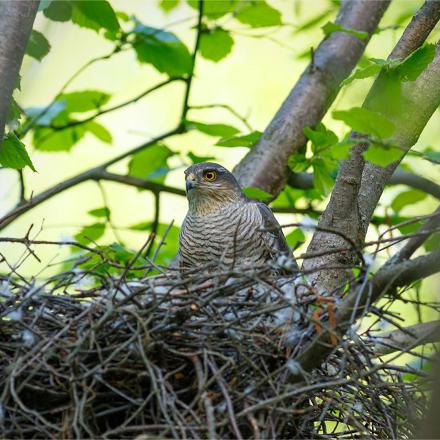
[16, 20]
[359, 185]
[405, 339]
[356, 303]
[265, 165]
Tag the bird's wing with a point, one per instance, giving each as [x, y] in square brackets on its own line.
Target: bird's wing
[272, 226]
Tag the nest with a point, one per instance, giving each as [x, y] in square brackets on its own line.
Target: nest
[200, 357]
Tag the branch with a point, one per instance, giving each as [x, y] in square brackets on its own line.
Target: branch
[418, 239]
[399, 177]
[359, 185]
[265, 165]
[405, 339]
[357, 302]
[16, 20]
[91, 174]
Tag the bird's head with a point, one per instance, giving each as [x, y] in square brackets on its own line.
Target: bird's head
[209, 185]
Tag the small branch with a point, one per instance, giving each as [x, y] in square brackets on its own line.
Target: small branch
[22, 186]
[226, 107]
[116, 107]
[95, 173]
[155, 223]
[405, 339]
[189, 80]
[417, 240]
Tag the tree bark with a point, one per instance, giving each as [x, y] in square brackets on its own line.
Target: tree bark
[359, 185]
[16, 20]
[265, 165]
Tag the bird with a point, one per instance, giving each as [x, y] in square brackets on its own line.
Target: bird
[223, 227]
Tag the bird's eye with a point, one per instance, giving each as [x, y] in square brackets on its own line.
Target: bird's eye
[210, 176]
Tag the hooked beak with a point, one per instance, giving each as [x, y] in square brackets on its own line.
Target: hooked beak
[190, 182]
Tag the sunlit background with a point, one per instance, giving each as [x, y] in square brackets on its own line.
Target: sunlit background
[254, 79]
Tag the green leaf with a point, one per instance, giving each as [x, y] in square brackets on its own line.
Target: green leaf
[162, 49]
[168, 5]
[295, 237]
[432, 155]
[341, 150]
[83, 101]
[99, 131]
[380, 155]
[37, 46]
[215, 44]
[247, 140]
[256, 193]
[90, 233]
[43, 5]
[13, 153]
[59, 10]
[331, 27]
[366, 121]
[14, 115]
[365, 72]
[258, 14]
[322, 178]
[413, 65]
[298, 162]
[95, 14]
[48, 114]
[433, 242]
[221, 130]
[100, 212]
[198, 159]
[321, 137]
[48, 139]
[142, 226]
[214, 9]
[151, 163]
[407, 198]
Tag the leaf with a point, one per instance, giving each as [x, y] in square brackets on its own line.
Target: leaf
[100, 212]
[199, 159]
[365, 72]
[258, 14]
[215, 9]
[215, 44]
[295, 237]
[151, 163]
[37, 46]
[59, 10]
[222, 130]
[99, 131]
[14, 115]
[43, 5]
[433, 242]
[381, 155]
[407, 198]
[322, 178]
[331, 27]
[298, 162]
[168, 5]
[247, 140]
[84, 100]
[90, 233]
[48, 139]
[162, 49]
[142, 226]
[413, 65]
[256, 193]
[321, 137]
[366, 121]
[95, 14]
[13, 153]
[341, 150]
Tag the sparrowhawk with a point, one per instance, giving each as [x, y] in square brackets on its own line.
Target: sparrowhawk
[223, 227]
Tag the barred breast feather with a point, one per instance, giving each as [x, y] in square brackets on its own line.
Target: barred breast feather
[237, 233]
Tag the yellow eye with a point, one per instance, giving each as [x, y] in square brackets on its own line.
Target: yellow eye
[210, 176]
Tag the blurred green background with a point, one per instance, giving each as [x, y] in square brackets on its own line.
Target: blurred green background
[253, 79]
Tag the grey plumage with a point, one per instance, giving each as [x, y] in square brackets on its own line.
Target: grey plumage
[223, 226]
